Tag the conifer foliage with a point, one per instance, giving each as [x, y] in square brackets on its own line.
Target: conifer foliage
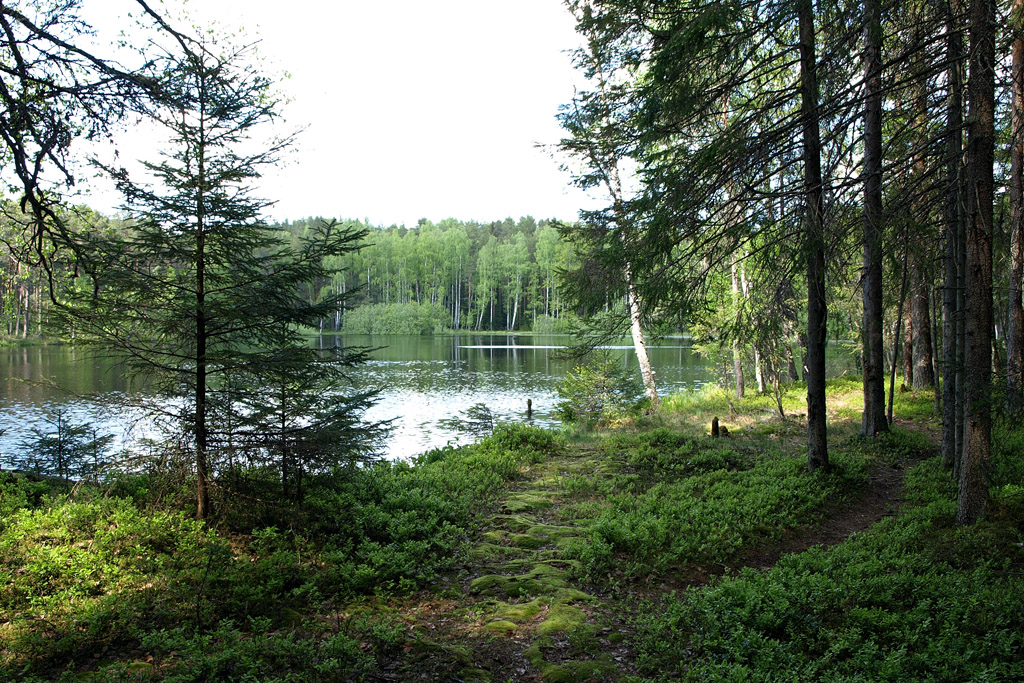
[201, 297]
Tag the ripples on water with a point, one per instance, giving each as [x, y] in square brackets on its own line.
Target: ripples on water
[423, 380]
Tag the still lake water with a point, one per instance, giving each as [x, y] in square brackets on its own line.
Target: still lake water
[423, 380]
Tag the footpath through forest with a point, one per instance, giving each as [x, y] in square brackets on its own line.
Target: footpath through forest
[526, 607]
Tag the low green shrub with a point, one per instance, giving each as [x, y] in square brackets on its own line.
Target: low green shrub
[1007, 466]
[96, 572]
[253, 652]
[892, 447]
[681, 500]
[80, 576]
[662, 452]
[20, 491]
[395, 525]
[913, 599]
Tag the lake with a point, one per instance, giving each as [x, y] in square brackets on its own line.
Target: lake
[423, 380]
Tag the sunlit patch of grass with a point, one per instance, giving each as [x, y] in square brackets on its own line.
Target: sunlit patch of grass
[693, 410]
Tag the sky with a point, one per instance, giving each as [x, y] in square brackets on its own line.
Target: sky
[411, 108]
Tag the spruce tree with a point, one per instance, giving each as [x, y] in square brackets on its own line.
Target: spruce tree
[199, 289]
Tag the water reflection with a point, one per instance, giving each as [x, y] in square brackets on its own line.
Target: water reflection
[423, 380]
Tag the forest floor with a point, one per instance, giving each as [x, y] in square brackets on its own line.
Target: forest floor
[517, 611]
[645, 551]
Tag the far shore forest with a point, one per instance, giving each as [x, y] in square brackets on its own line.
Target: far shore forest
[776, 175]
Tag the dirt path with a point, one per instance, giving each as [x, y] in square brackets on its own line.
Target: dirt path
[515, 612]
[879, 499]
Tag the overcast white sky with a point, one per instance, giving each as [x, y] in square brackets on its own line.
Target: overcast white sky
[413, 108]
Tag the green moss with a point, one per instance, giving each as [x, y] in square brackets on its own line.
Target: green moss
[526, 541]
[489, 554]
[461, 653]
[552, 531]
[496, 537]
[567, 671]
[574, 595]
[520, 612]
[518, 523]
[530, 500]
[500, 626]
[562, 618]
[535, 653]
[543, 579]
[587, 670]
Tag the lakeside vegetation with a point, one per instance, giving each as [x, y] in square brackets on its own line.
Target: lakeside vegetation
[771, 181]
[582, 555]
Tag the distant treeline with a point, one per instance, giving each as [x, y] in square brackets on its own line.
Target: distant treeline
[461, 275]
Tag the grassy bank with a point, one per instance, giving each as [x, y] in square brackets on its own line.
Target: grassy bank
[647, 552]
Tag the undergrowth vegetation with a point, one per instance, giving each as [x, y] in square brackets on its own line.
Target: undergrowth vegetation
[677, 500]
[94, 575]
[914, 598]
[527, 545]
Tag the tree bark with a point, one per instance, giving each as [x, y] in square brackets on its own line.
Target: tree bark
[643, 360]
[1015, 317]
[873, 420]
[758, 361]
[980, 159]
[898, 332]
[908, 349]
[817, 437]
[202, 461]
[952, 218]
[920, 311]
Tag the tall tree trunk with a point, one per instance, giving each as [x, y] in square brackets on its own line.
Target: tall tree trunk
[1015, 317]
[952, 219]
[899, 330]
[980, 159]
[873, 420]
[921, 256]
[920, 311]
[908, 349]
[515, 312]
[202, 488]
[643, 360]
[758, 370]
[737, 354]
[202, 461]
[817, 437]
[961, 326]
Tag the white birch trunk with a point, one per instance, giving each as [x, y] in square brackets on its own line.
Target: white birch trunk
[643, 360]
